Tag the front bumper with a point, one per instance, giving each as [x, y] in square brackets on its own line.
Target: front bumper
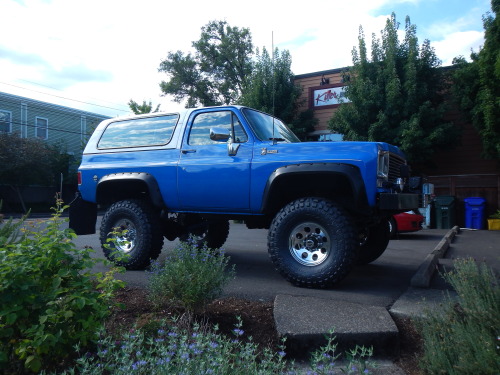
[398, 201]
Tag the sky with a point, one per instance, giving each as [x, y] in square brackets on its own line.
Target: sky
[96, 55]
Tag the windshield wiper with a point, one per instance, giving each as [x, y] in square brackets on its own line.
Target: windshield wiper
[277, 139]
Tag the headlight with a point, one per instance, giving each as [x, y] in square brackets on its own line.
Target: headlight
[382, 167]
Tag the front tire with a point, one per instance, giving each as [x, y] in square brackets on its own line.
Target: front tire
[312, 243]
[134, 229]
[375, 243]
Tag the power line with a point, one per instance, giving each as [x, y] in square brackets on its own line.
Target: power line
[52, 88]
[50, 107]
[62, 97]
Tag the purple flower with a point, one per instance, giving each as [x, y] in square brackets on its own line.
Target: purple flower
[238, 332]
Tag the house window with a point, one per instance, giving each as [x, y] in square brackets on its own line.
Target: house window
[5, 121]
[24, 120]
[42, 128]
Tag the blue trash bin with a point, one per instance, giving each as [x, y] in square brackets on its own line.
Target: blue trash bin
[474, 212]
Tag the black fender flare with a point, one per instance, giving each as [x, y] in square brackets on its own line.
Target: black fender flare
[350, 172]
[148, 179]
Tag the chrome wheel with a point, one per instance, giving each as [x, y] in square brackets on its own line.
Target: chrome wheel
[309, 243]
[124, 235]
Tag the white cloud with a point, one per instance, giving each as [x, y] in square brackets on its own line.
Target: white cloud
[109, 51]
[458, 44]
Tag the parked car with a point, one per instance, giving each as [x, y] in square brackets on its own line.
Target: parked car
[405, 222]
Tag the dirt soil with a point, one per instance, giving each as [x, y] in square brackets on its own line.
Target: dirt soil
[257, 318]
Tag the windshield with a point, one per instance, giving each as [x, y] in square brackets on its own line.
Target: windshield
[268, 128]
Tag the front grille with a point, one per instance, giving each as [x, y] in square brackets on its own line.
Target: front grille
[395, 163]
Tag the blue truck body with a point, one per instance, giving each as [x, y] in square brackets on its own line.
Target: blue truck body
[246, 166]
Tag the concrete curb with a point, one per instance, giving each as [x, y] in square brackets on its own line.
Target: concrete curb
[423, 276]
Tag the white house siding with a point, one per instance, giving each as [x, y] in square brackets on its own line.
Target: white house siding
[67, 126]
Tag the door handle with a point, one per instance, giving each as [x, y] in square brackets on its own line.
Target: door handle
[187, 151]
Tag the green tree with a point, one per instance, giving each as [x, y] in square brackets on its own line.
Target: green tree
[396, 96]
[31, 161]
[142, 108]
[476, 85]
[271, 88]
[216, 73]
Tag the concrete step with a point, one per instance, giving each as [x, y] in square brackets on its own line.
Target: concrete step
[305, 321]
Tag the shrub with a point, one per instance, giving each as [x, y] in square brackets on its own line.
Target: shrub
[10, 230]
[190, 278]
[49, 299]
[200, 351]
[179, 352]
[463, 339]
[324, 360]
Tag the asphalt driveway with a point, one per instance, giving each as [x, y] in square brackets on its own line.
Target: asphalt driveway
[377, 284]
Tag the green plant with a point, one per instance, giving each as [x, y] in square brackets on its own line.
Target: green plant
[463, 339]
[49, 299]
[170, 350]
[496, 215]
[324, 360]
[174, 351]
[10, 231]
[191, 277]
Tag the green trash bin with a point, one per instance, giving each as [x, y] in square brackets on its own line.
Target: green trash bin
[444, 211]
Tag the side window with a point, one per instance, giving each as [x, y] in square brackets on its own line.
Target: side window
[150, 131]
[200, 129]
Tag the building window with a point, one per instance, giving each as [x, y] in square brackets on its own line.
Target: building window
[24, 120]
[83, 127]
[42, 128]
[5, 121]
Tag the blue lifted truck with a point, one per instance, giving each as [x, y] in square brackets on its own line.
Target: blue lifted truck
[179, 174]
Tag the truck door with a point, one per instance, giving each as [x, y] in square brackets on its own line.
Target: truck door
[214, 175]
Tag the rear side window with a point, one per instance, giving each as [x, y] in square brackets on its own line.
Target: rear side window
[150, 131]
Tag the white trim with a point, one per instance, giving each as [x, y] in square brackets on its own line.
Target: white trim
[10, 120]
[46, 128]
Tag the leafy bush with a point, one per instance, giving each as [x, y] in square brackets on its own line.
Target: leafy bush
[49, 299]
[496, 215]
[463, 339]
[11, 230]
[191, 277]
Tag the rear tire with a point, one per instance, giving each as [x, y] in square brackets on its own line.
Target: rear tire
[212, 232]
[312, 243]
[140, 239]
[376, 242]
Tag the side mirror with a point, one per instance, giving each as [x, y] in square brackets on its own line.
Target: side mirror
[219, 134]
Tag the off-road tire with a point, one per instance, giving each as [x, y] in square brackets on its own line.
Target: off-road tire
[214, 234]
[376, 243]
[143, 241]
[313, 243]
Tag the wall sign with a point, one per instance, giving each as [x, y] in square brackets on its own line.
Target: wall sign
[326, 96]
